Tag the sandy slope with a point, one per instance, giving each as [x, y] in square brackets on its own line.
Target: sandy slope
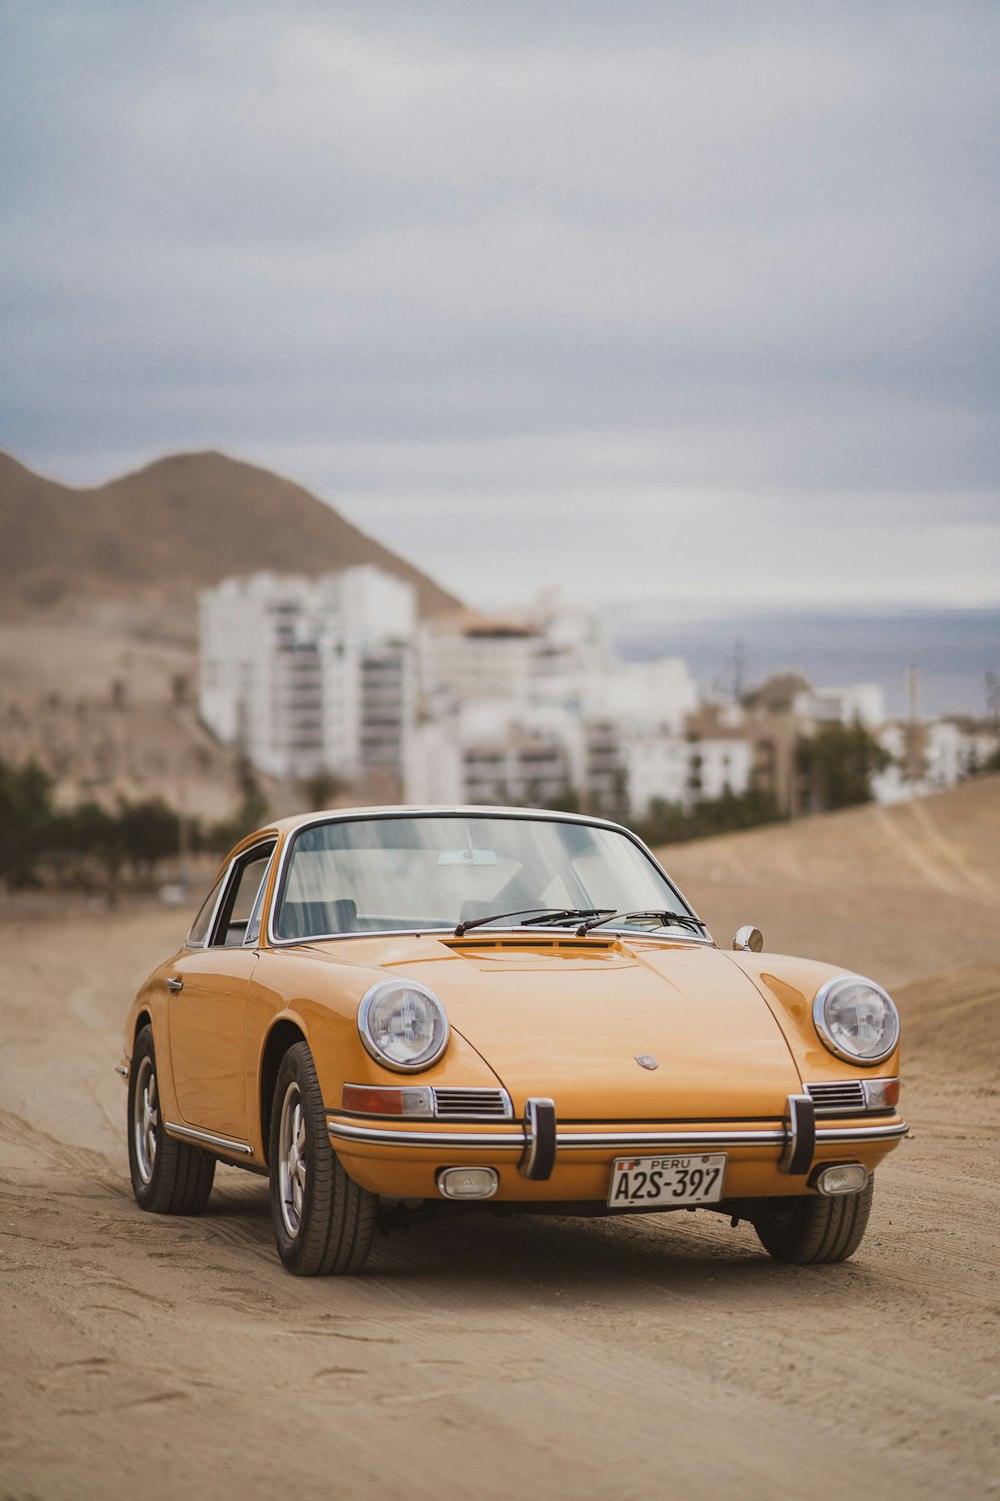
[656, 1357]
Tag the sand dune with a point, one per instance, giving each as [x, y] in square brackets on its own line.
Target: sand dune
[566, 1359]
[896, 893]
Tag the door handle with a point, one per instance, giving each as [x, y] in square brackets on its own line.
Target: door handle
[175, 983]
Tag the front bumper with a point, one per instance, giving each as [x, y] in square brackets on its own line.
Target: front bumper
[574, 1161]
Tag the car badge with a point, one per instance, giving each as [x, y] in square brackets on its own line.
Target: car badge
[646, 1060]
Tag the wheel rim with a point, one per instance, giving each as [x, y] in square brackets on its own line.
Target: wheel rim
[292, 1160]
[777, 1216]
[145, 1120]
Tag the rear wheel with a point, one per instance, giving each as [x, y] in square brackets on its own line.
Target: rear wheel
[168, 1176]
[324, 1222]
[814, 1229]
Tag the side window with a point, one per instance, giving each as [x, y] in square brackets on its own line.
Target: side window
[199, 928]
[253, 926]
[240, 896]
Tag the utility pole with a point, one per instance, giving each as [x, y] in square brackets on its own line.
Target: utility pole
[993, 699]
[913, 760]
[739, 669]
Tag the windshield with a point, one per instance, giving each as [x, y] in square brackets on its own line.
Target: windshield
[441, 870]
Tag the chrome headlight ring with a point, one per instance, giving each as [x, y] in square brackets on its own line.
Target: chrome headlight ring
[881, 1020]
[403, 1025]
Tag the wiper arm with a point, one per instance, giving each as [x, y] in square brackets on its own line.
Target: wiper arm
[565, 914]
[478, 922]
[681, 919]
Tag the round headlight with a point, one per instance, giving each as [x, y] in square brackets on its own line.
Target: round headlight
[403, 1025]
[856, 1019]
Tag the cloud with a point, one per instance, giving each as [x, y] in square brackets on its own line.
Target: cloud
[458, 259]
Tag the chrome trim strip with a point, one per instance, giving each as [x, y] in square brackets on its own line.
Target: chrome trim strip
[862, 1133]
[585, 1140]
[225, 1143]
[516, 1141]
[122, 1068]
[674, 936]
[504, 1141]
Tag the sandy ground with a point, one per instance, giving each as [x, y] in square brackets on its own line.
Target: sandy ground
[658, 1356]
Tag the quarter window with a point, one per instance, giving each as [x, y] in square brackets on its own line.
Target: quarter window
[199, 928]
[241, 895]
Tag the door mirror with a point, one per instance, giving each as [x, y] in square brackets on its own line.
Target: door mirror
[749, 939]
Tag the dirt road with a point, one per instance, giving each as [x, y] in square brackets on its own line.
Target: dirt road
[664, 1356]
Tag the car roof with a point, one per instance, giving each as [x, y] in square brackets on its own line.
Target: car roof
[398, 810]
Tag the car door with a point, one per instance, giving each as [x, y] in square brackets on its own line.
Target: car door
[207, 1007]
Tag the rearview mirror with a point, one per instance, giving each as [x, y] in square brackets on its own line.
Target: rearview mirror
[749, 939]
[467, 857]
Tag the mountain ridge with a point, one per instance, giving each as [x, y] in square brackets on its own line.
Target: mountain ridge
[176, 525]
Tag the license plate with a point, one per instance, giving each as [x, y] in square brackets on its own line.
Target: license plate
[666, 1181]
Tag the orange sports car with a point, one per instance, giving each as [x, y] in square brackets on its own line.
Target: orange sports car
[403, 1012]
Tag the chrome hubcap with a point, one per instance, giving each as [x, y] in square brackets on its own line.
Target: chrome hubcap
[292, 1159]
[146, 1120]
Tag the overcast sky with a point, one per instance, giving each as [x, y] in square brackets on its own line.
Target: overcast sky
[664, 302]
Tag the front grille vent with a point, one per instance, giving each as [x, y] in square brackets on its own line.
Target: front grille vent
[473, 1104]
[843, 1097]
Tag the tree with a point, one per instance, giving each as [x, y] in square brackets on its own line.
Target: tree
[150, 832]
[88, 833]
[26, 821]
[322, 788]
[836, 766]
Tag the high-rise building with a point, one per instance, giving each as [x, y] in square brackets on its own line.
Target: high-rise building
[311, 675]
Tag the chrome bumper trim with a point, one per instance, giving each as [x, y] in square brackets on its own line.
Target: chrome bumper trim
[224, 1143]
[501, 1141]
[584, 1141]
[122, 1068]
[862, 1133]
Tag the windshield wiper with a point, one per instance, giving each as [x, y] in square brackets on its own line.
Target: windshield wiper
[478, 922]
[565, 914]
[681, 919]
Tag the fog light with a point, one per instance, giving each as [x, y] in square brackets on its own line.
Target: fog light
[843, 1178]
[468, 1182]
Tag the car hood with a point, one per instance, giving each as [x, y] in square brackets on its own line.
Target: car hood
[569, 1020]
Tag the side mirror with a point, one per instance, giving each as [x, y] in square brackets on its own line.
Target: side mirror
[749, 939]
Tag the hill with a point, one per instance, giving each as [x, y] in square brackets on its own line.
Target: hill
[98, 625]
[166, 531]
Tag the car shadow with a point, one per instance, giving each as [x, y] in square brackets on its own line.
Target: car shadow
[537, 1256]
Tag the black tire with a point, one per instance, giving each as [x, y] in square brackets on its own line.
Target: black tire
[168, 1176]
[324, 1222]
[810, 1230]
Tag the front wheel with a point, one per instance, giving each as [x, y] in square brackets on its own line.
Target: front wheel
[168, 1176]
[814, 1229]
[324, 1222]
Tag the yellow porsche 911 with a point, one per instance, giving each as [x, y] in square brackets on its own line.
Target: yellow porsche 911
[396, 1013]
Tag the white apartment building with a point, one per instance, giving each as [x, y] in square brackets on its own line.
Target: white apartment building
[685, 770]
[930, 755]
[311, 675]
[859, 701]
[538, 709]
